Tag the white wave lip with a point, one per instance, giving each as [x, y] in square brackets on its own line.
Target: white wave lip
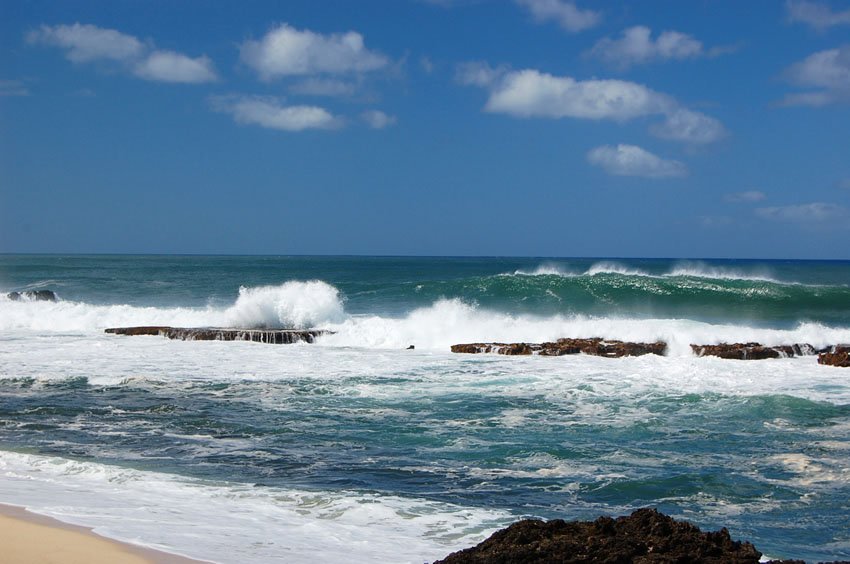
[233, 522]
[291, 305]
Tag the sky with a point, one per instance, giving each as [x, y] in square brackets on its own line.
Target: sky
[557, 128]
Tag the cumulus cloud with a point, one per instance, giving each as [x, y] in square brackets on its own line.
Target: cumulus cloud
[636, 46]
[564, 13]
[286, 51]
[168, 66]
[748, 196]
[818, 15]
[631, 160]
[377, 119]
[270, 113]
[827, 71]
[814, 212]
[13, 88]
[530, 93]
[85, 43]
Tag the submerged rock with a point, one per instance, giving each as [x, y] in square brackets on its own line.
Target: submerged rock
[595, 346]
[753, 351]
[272, 336]
[645, 536]
[837, 356]
[33, 295]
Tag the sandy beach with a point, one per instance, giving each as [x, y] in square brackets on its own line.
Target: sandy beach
[27, 538]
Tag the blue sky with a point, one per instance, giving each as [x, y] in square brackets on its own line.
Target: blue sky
[410, 127]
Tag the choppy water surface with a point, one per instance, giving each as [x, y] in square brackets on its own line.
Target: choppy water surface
[235, 451]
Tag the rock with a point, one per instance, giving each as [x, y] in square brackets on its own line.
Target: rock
[273, 336]
[646, 536]
[839, 355]
[753, 351]
[561, 347]
[33, 295]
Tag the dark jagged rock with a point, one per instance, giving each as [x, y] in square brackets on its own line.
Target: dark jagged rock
[753, 351]
[561, 347]
[33, 295]
[646, 536]
[837, 356]
[272, 336]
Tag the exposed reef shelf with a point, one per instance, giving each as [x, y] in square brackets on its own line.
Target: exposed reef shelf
[33, 296]
[644, 536]
[561, 347]
[838, 355]
[271, 336]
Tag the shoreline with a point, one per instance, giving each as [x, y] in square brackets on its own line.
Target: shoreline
[27, 537]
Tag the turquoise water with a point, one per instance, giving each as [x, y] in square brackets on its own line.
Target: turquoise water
[422, 449]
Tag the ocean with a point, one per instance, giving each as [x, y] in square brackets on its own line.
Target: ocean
[355, 448]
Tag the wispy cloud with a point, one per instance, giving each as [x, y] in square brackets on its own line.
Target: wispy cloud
[827, 71]
[270, 113]
[636, 46]
[815, 212]
[565, 13]
[631, 160]
[287, 51]
[13, 88]
[533, 94]
[377, 119]
[85, 43]
[818, 15]
[745, 197]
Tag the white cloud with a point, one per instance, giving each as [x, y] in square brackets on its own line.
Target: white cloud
[85, 43]
[816, 14]
[377, 119]
[630, 160]
[13, 88]
[748, 196]
[478, 73]
[564, 13]
[286, 51]
[530, 93]
[636, 46]
[689, 126]
[269, 113]
[168, 66]
[828, 71]
[427, 64]
[323, 87]
[88, 43]
[804, 213]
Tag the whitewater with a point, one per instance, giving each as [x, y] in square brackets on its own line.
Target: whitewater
[357, 448]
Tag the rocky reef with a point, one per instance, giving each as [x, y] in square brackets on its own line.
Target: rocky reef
[754, 351]
[838, 355]
[33, 295]
[646, 536]
[595, 346]
[271, 336]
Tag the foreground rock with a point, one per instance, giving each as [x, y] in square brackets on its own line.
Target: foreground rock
[754, 351]
[646, 536]
[561, 347]
[272, 336]
[837, 356]
[32, 295]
